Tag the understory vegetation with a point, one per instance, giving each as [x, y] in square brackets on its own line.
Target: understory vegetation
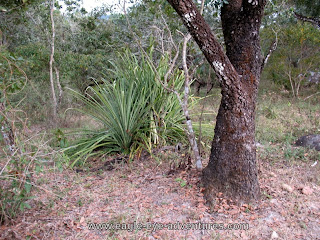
[133, 108]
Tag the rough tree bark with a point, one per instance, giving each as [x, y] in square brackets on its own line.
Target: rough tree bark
[232, 166]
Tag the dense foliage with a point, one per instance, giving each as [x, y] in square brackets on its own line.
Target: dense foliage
[308, 7]
[297, 57]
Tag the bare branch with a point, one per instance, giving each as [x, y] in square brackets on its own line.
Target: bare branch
[202, 7]
[312, 20]
[311, 96]
[272, 48]
[191, 135]
[206, 40]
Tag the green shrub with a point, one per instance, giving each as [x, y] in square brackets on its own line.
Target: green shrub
[297, 54]
[134, 110]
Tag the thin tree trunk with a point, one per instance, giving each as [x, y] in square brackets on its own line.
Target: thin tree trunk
[232, 166]
[1, 38]
[6, 131]
[272, 48]
[54, 98]
[59, 86]
[190, 133]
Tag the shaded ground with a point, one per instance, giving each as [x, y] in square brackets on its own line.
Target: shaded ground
[143, 191]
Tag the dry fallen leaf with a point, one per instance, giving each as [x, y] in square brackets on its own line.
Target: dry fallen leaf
[82, 219]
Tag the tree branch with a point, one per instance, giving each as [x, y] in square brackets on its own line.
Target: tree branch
[209, 45]
[312, 20]
[272, 48]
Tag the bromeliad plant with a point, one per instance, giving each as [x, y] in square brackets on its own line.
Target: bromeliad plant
[134, 110]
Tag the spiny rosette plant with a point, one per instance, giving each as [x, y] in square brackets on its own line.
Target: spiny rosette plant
[133, 108]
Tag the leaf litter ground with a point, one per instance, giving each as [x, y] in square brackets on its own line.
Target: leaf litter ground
[146, 190]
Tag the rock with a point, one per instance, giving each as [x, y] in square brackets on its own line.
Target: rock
[287, 187]
[259, 145]
[310, 141]
[274, 235]
[314, 164]
[272, 174]
[274, 202]
[314, 77]
[307, 190]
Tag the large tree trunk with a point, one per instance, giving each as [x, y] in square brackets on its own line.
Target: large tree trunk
[232, 166]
